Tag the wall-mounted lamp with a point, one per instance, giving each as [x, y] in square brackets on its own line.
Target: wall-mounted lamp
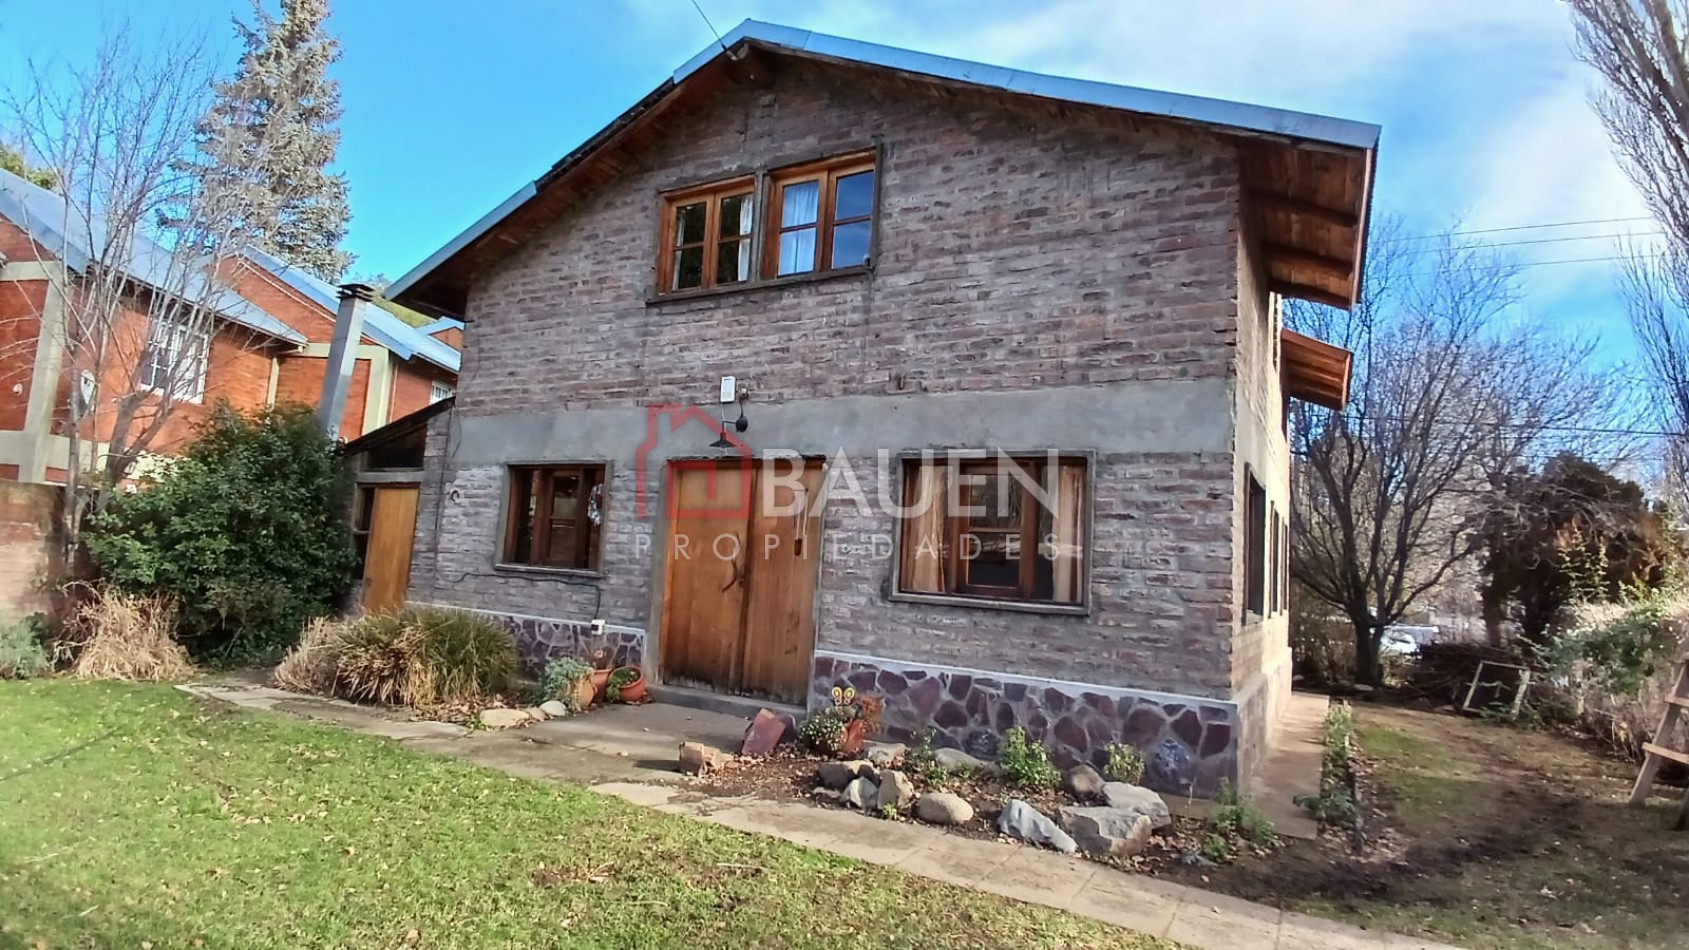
[739, 425]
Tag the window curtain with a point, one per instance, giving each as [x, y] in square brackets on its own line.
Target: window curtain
[800, 205]
[924, 562]
[1068, 523]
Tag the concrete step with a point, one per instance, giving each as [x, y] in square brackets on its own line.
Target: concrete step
[744, 707]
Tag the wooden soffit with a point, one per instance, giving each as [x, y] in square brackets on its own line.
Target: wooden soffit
[1314, 370]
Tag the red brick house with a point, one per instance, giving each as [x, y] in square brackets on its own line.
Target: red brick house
[1008, 353]
[269, 343]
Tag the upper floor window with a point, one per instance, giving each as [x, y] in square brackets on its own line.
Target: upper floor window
[438, 391]
[806, 219]
[823, 216]
[708, 237]
[175, 359]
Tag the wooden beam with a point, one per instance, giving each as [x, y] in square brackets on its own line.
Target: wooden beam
[1285, 288]
[1337, 268]
[1305, 209]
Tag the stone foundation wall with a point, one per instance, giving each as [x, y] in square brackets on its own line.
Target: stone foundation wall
[542, 639]
[1189, 743]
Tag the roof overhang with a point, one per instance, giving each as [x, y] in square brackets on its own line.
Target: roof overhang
[1314, 370]
[1308, 178]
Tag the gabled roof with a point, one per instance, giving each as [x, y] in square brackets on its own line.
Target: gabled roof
[51, 222]
[1308, 177]
[404, 340]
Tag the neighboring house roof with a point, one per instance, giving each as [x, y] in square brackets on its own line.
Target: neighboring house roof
[49, 220]
[384, 328]
[1309, 176]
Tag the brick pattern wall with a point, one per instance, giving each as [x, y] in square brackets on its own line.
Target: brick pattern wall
[1019, 248]
[29, 547]
[21, 303]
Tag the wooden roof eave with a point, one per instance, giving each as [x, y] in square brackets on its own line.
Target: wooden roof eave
[1315, 371]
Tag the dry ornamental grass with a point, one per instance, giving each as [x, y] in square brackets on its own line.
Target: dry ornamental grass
[127, 637]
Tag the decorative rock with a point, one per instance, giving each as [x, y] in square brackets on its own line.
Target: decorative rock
[955, 760]
[860, 793]
[1083, 783]
[1020, 820]
[1140, 801]
[554, 709]
[697, 758]
[840, 774]
[536, 714]
[884, 754]
[765, 732]
[1113, 831]
[827, 794]
[504, 718]
[895, 790]
[943, 808]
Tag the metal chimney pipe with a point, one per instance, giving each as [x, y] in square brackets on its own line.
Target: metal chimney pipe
[342, 355]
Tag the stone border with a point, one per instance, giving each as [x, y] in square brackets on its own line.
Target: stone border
[542, 639]
[1189, 742]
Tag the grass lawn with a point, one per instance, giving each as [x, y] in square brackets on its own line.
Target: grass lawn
[135, 815]
[1492, 836]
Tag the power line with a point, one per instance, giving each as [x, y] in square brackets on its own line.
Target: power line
[1515, 227]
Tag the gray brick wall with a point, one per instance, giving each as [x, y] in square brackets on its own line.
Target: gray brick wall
[1021, 247]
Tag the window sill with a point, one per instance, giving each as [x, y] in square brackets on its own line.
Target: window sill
[982, 603]
[558, 572]
[772, 283]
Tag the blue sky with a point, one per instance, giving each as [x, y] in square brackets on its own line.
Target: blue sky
[450, 107]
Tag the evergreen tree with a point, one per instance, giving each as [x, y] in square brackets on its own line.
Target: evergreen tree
[272, 133]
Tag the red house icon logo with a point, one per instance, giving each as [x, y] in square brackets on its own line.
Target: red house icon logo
[736, 456]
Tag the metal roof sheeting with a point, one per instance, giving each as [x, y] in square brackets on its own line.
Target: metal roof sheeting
[1240, 117]
[384, 328]
[48, 219]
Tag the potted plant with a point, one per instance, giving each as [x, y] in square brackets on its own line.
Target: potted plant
[569, 681]
[626, 685]
[602, 665]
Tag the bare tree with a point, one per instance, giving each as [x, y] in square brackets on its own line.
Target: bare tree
[1637, 47]
[132, 247]
[1446, 393]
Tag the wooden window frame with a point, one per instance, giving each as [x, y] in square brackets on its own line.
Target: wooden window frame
[956, 590]
[541, 480]
[827, 172]
[1255, 544]
[712, 196]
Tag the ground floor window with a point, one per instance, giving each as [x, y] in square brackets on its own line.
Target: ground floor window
[555, 515]
[999, 529]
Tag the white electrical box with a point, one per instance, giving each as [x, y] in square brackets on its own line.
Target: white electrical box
[728, 389]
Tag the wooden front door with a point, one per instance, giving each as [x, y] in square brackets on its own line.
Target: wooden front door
[387, 559]
[739, 599]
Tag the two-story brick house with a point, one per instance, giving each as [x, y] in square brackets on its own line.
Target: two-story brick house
[1008, 353]
[268, 343]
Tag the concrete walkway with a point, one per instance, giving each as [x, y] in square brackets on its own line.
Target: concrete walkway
[629, 752]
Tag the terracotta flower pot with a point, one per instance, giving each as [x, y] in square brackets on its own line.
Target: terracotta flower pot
[600, 680]
[635, 691]
[585, 692]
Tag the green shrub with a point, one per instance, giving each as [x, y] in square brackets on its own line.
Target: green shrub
[1619, 655]
[626, 676]
[560, 679]
[374, 659]
[1026, 764]
[1125, 764]
[1335, 805]
[423, 656]
[921, 761]
[22, 655]
[247, 531]
[454, 655]
[1236, 818]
